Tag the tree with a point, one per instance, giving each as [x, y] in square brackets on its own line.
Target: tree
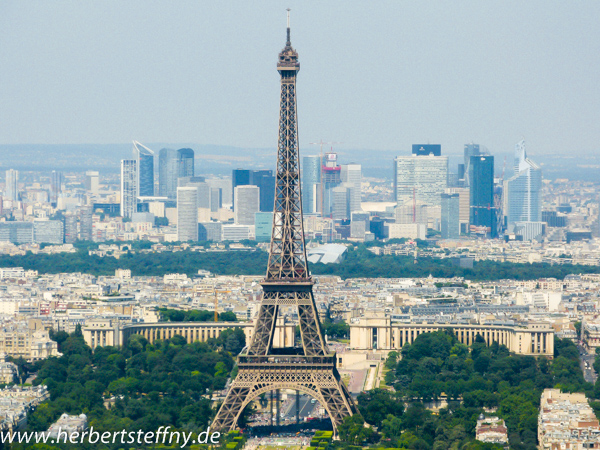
[352, 430]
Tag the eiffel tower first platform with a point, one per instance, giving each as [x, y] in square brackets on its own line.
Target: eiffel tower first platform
[310, 369]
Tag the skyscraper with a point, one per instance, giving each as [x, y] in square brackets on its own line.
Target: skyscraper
[167, 173]
[187, 214]
[331, 177]
[450, 216]
[263, 179]
[11, 190]
[200, 184]
[311, 178]
[129, 188]
[420, 178]
[470, 150]
[173, 164]
[523, 189]
[263, 225]
[247, 204]
[145, 169]
[481, 193]
[92, 182]
[185, 162]
[56, 180]
[352, 174]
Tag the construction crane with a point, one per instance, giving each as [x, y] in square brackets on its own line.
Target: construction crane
[215, 292]
[321, 155]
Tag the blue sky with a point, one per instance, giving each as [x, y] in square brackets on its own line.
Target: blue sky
[374, 75]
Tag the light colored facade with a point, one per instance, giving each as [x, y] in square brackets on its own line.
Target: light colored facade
[247, 204]
[311, 179]
[9, 372]
[450, 226]
[491, 430]
[129, 187]
[377, 332]
[421, 177]
[566, 421]
[106, 332]
[28, 344]
[236, 233]
[463, 205]
[67, 425]
[11, 188]
[187, 214]
[352, 174]
[145, 169]
[407, 230]
[48, 231]
[92, 182]
[523, 189]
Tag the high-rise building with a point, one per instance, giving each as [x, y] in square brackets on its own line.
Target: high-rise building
[470, 150]
[263, 225]
[200, 184]
[263, 179]
[523, 189]
[339, 202]
[167, 173]
[331, 177]
[216, 199]
[48, 231]
[11, 190]
[240, 177]
[224, 184]
[420, 179]
[464, 207]
[145, 169]
[311, 179]
[427, 149]
[210, 231]
[129, 188]
[86, 223]
[70, 228]
[185, 161]
[92, 182]
[481, 179]
[352, 175]
[16, 232]
[56, 181]
[173, 164]
[246, 204]
[187, 214]
[450, 216]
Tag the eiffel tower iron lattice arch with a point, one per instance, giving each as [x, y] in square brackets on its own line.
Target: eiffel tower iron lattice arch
[310, 369]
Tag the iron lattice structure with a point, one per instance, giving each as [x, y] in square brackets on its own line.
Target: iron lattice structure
[310, 369]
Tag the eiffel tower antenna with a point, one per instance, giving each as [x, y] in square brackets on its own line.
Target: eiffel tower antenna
[311, 368]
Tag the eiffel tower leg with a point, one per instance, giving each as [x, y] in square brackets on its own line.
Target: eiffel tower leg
[264, 330]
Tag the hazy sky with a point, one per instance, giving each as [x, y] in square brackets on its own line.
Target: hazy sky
[374, 74]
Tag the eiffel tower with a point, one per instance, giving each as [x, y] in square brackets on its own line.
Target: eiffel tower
[310, 369]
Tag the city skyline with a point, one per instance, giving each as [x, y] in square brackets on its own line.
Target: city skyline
[509, 75]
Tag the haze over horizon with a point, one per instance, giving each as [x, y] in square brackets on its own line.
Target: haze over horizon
[374, 77]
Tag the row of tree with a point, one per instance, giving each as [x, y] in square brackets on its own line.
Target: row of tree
[360, 262]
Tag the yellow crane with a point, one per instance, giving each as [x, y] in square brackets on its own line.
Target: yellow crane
[215, 292]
